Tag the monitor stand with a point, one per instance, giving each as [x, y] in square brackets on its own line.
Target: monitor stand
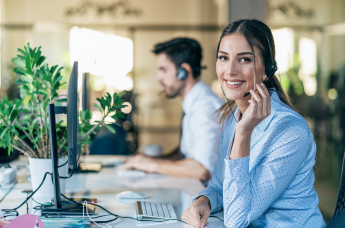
[60, 207]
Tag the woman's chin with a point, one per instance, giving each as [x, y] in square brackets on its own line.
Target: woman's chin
[234, 96]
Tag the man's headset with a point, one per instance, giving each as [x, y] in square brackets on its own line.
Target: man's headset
[270, 65]
[182, 73]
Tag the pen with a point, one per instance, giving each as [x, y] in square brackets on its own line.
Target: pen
[37, 224]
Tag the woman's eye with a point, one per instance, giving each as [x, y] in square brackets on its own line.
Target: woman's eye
[222, 57]
[245, 59]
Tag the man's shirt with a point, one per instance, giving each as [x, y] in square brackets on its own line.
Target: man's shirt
[201, 132]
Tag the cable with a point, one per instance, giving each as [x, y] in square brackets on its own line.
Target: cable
[45, 175]
[37, 202]
[71, 174]
[213, 216]
[63, 164]
[229, 105]
[91, 204]
[27, 205]
[14, 184]
[8, 191]
[87, 212]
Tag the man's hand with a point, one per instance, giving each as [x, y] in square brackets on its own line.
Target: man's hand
[198, 213]
[141, 162]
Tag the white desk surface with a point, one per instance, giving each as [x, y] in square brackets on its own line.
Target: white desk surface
[106, 184]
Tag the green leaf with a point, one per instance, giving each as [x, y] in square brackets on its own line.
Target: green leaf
[28, 65]
[19, 82]
[13, 115]
[19, 71]
[7, 140]
[21, 51]
[18, 62]
[115, 98]
[40, 60]
[27, 99]
[3, 133]
[123, 93]
[110, 128]
[120, 115]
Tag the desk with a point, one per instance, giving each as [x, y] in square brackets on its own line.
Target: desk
[106, 184]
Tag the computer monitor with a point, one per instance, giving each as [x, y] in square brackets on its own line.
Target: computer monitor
[60, 207]
[72, 118]
[85, 88]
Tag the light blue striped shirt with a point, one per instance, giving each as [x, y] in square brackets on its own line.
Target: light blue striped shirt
[274, 185]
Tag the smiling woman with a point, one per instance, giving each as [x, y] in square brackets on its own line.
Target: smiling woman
[245, 57]
[264, 174]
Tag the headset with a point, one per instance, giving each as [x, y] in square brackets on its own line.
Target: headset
[182, 73]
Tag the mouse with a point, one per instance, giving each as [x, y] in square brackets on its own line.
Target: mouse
[131, 195]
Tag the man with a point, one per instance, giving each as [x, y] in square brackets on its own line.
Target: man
[178, 63]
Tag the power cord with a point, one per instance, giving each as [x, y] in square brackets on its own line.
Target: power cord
[63, 164]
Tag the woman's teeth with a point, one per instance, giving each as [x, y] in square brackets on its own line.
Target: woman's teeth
[233, 83]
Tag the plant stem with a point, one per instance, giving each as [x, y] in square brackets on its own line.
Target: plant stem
[21, 150]
[92, 129]
[22, 141]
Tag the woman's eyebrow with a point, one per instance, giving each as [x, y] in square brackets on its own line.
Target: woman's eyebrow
[225, 53]
[245, 53]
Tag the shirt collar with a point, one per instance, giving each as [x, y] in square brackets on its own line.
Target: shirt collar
[193, 95]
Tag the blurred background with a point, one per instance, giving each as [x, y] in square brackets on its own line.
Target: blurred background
[113, 39]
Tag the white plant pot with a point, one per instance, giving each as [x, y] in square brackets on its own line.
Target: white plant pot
[38, 167]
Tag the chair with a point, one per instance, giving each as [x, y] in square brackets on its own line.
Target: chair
[340, 206]
[110, 144]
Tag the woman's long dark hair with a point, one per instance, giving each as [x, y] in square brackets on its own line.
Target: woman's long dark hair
[252, 30]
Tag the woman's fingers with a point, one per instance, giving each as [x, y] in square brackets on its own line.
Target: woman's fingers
[204, 218]
[255, 102]
[263, 94]
[268, 98]
[192, 216]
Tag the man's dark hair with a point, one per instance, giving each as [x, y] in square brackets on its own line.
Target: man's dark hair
[182, 50]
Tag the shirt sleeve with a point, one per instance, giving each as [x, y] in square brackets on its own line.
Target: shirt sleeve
[206, 138]
[214, 191]
[247, 195]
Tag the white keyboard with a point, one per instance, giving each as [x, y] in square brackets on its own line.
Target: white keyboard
[154, 211]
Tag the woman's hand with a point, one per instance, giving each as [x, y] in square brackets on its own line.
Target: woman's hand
[198, 213]
[258, 110]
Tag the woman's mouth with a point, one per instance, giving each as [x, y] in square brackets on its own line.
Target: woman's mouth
[233, 84]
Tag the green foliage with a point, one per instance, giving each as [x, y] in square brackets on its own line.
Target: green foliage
[26, 119]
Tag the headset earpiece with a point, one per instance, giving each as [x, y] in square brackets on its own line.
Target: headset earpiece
[182, 73]
[270, 69]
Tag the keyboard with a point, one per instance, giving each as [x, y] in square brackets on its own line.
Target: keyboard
[154, 211]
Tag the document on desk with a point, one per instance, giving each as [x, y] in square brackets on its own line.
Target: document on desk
[66, 222]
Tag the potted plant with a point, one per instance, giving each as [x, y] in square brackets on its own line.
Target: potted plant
[24, 122]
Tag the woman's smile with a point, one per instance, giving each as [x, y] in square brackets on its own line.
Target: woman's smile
[234, 83]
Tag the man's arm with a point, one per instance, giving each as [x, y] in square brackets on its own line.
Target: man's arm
[174, 155]
[182, 168]
[188, 168]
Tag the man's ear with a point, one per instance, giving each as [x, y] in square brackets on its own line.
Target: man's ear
[188, 68]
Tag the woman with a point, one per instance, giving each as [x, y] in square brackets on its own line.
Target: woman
[264, 173]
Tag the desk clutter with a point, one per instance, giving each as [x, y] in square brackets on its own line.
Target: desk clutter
[154, 204]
